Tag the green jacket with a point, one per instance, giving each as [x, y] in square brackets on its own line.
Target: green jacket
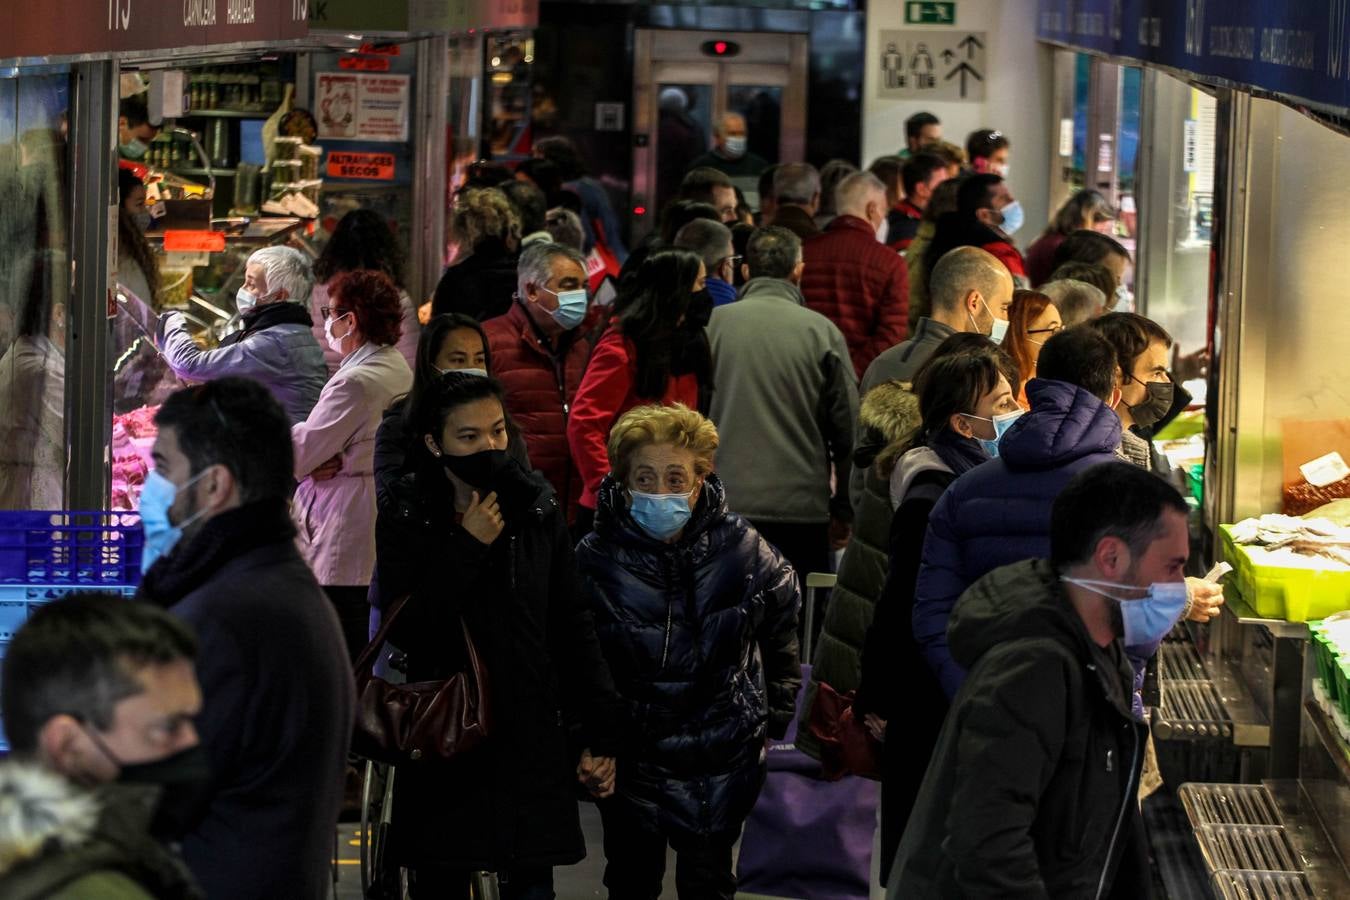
[890, 413]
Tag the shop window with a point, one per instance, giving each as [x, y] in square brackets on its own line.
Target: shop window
[34, 289]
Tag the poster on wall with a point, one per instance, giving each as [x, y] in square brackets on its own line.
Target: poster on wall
[932, 65]
[362, 106]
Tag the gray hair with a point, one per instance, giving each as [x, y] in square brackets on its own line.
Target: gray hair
[710, 240]
[721, 128]
[286, 268]
[565, 226]
[1077, 301]
[855, 191]
[536, 263]
[796, 183]
[773, 252]
[961, 271]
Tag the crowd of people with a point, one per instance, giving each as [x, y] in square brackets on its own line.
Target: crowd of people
[604, 474]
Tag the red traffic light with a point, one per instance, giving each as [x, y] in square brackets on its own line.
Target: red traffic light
[721, 48]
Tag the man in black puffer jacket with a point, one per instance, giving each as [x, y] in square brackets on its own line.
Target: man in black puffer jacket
[700, 632]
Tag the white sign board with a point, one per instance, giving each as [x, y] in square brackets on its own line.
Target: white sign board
[1066, 137]
[1190, 145]
[933, 65]
[362, 106]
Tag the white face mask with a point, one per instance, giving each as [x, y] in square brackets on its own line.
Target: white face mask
[997, 331]
[333, 341]
[734, 147]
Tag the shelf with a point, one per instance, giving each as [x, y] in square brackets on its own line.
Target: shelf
[219, 173]
[1306, 829]
[1250, 726]
[226, 114]
[1280, 628]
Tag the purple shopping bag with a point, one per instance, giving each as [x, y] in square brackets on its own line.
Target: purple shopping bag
[806, 837]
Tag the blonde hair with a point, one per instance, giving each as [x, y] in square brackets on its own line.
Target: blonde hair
[678, 425]
[484, 213]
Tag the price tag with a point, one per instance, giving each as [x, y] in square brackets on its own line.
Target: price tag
[194, 241]
[1325, 470]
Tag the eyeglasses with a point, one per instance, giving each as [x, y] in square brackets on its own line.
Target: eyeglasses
[1053, 329]
[730, 259]
[327, 311]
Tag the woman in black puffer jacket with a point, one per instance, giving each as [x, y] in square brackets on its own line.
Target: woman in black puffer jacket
[697, 618]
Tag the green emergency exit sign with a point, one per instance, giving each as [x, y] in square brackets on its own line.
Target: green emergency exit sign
[930, 12]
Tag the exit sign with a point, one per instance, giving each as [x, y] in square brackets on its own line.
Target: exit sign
[930, 12]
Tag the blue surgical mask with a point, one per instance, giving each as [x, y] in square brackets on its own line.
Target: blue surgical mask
[660, 515]
[734, 147]
[133, 149]
[1001, 425]
[997, 330]
[1013, 217]
[245, 300]
[571, 309]
[1147, 619]
[157, 496]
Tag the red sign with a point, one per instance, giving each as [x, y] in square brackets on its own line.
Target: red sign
[194, 241]
[381, 49]
[112, 26]
[368, 166]
[364, 63]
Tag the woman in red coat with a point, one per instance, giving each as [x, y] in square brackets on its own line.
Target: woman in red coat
[654, 351]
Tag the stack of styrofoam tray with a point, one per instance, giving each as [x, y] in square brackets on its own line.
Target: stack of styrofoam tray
[1244, 842]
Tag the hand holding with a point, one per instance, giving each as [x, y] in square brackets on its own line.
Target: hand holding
[483, 519]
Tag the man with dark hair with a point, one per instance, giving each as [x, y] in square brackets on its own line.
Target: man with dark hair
[532, 208]
[98, 701]
[788, 409]
[709, 185]
[920, 128]
[999, 512]
[134, 131]
[796, 190]
[986, 217]
[273, 665]
[1033, 787]
[712, 242]
[1147, 391]
[919, 176]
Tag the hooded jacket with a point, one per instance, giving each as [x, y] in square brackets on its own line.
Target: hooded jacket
[890, 413]
[860, 285]
[59, 842]
[1031, 791]
[786, 406]
[479, 285]
[701, 636]
[999, 513]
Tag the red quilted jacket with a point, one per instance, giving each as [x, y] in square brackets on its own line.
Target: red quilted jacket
[858, 284]
[540, 388]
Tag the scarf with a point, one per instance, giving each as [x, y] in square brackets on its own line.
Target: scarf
[960, 454]
[220, 539]
[264, 317]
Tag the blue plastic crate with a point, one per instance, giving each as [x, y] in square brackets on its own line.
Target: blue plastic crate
[68, 547]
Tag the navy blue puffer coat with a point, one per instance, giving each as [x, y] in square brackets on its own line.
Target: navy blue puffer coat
[999, 513]
[701, 638]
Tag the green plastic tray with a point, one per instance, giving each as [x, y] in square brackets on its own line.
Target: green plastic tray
[1277, 592]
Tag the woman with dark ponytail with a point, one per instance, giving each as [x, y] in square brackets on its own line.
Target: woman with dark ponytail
[655, 351]
[474, 536]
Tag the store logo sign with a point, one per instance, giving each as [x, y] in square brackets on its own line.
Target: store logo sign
[197, 13]
[119, 15]
[240, 12]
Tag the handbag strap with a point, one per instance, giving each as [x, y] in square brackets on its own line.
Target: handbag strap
[367, 657]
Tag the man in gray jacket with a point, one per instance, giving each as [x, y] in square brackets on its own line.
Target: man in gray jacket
[276, 345]
[786, 405]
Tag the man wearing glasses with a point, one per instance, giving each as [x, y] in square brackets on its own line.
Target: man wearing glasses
[712, 242]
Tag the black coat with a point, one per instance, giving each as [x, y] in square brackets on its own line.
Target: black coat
[701, 636]
[1032, 789]
[481, 285]
[512, 802]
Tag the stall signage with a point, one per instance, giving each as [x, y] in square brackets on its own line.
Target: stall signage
[194, 241]
[1297, 50]
[115, 26]
[363, 107]
[933, 65]
[367, 166]
[364, 63]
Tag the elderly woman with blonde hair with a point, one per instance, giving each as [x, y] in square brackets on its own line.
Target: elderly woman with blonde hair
[697, 618]
[482, 280]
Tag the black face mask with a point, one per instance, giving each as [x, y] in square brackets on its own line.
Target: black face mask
[481, 470]
[1157, 401]
[184, 780]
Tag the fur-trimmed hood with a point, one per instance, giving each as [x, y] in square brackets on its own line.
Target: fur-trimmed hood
[39, 812]
[887, 422]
